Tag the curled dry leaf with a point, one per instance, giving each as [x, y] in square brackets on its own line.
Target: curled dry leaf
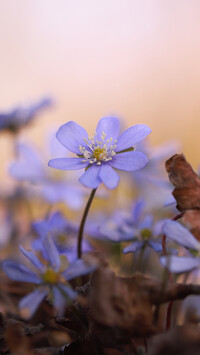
[186, 182]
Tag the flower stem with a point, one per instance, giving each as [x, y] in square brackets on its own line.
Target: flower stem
[178, 216]
[81, 228]
[140, 257]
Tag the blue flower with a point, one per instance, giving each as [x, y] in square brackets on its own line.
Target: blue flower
[22, 115]
[63, 232]
[32, 166]
[136, 226]
[152, 182]
[181, 235]
[101, 153]
[145, 230]
[50, 278]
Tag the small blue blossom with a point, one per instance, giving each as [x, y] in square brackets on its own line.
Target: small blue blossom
[20, 116]
[181, 235]
[51, 278]
[63, 232]
[136, 226]
[101, 153]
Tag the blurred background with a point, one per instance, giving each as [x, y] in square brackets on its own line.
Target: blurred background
[137, 59]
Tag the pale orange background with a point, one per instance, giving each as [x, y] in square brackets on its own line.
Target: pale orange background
[139, 60]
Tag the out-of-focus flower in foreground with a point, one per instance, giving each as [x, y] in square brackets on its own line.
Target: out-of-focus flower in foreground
[146, 232]
[103, 152]
[20, 116]
[50, 279]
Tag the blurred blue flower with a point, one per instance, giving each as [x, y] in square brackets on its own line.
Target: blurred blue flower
[63, 232]
[20, 116]
[181, 235]
[152, 182]
[135, 226]
[51, 279]
[31, 166]
[101, 153]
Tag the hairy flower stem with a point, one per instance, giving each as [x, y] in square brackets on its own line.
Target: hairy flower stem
[82, 224]
[140, 258]
[170, 305]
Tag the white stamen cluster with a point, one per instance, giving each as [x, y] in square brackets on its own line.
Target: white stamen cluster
[98, 151]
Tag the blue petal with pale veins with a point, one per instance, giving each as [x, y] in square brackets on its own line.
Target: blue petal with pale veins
[91, 178]
[67, 163]
[19, 272]
[132, 136]
[110, 126]
[129, 161]
[71, 135]
[108, 176]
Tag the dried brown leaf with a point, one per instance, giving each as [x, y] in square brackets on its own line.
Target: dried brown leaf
[186, 182]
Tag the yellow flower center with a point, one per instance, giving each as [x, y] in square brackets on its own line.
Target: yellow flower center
[50, 276]
[99, 153]
[61, 239]
[146, 233]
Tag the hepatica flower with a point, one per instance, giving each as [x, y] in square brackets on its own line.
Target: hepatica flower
[20, 116]
[62, 231]
[145, 230]
[181, 235]
[99, 154]
[50, 278]
[135, 226]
